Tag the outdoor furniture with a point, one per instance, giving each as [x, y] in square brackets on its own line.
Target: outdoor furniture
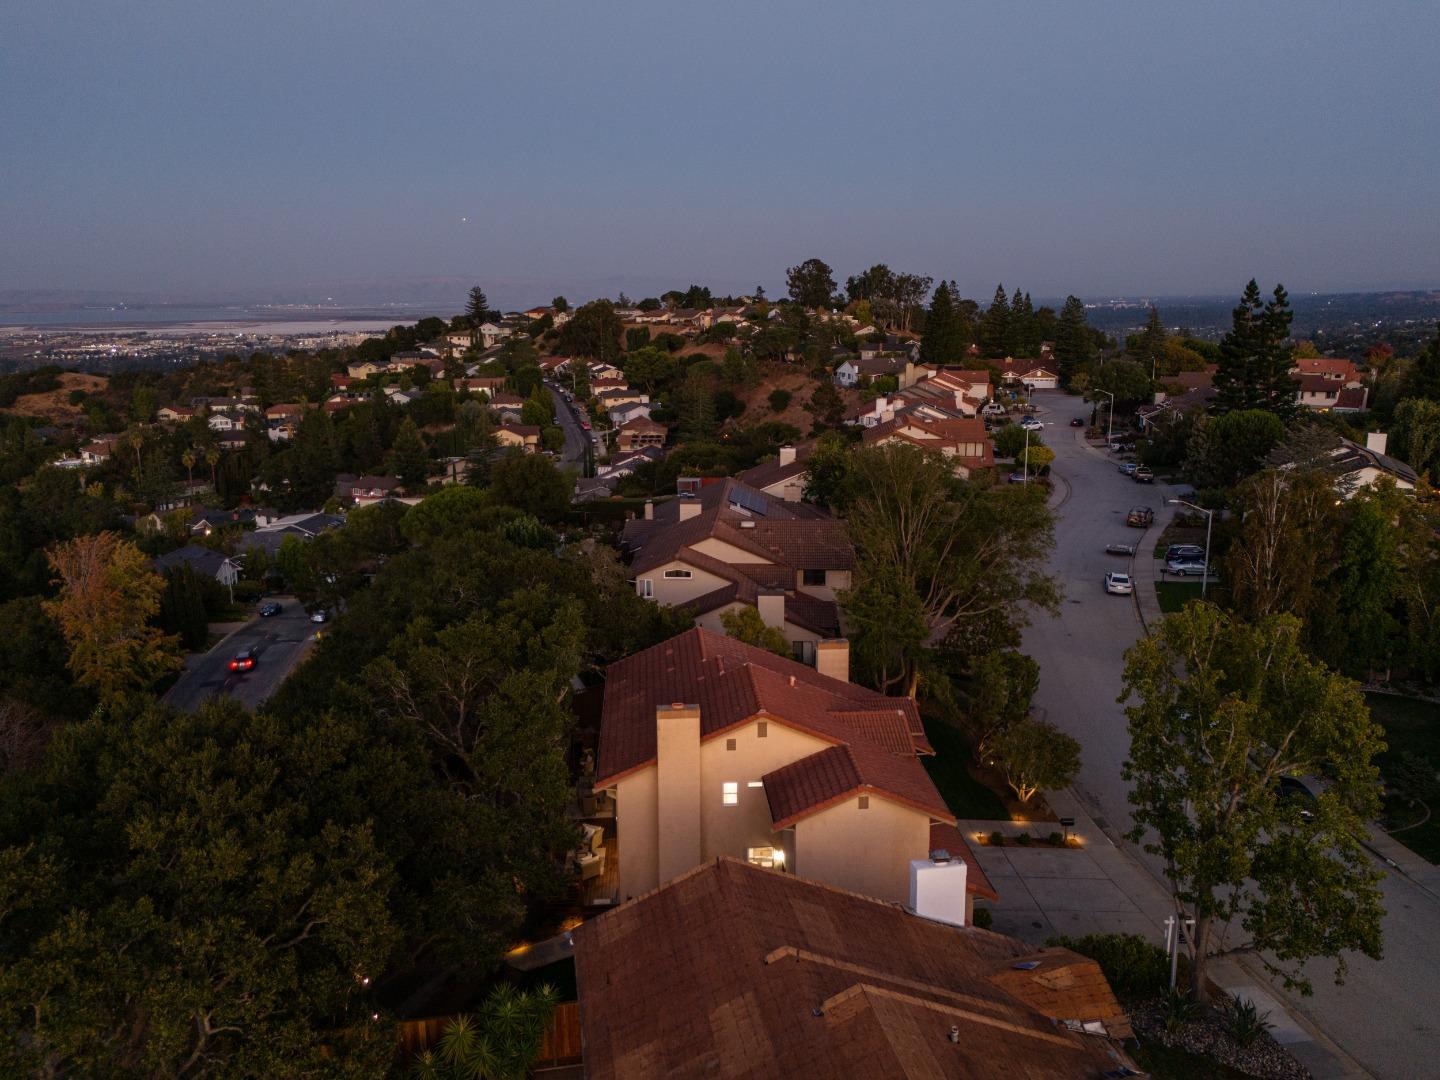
[591, 863]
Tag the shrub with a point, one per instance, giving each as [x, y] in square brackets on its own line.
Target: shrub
[997, 838]
[1245, 1022]
[247, 592]
[982, 918]
[1134, 967]
[1056, 839]
[1023, 839]
[779, 400]
[1180, 1009]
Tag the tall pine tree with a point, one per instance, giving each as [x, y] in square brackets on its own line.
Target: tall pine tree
[1150, 349]
[1237, 379]
[947, 333]
[995, 325]
[1017, 332]
[408, 457]
[477, 307]
[1074, 344]
[1276, 356]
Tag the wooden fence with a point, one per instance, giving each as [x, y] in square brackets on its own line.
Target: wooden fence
[561, 1045]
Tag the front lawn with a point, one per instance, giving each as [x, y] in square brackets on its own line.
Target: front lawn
[949, 768]
[1174, 595]
[1411, 728]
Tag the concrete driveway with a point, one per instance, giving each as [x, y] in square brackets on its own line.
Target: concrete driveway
[1385, 1016]
[282, 641]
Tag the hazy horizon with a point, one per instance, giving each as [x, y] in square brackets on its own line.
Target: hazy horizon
[1147, 149]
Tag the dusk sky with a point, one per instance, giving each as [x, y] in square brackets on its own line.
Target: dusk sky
[1140, 148]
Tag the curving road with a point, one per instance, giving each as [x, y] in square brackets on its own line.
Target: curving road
[1386, 1014]
[282, 641]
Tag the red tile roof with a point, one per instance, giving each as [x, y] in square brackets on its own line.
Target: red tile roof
[733, 682]
[821, 780]
[731, 970]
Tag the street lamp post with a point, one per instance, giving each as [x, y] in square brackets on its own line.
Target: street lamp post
[1209, 521]
[1109, 417]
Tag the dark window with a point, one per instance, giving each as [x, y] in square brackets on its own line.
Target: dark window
[762, 729]
[864, 802]
[729, 744]
[813, 577]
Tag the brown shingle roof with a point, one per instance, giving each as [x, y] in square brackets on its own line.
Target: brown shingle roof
[731, 970]
[733, 682]
[944, 837]
[793, 535]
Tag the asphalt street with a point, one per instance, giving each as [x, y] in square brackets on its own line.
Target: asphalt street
[1385, 1014]
[282, 640]
[576, 439]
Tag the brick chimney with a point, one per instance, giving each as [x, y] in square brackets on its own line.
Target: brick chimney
[771, 605]
[832, 658]
[787, 455]
[677, 788]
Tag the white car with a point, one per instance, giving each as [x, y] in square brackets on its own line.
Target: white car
[1118, 584]
[319, 615]
[1031, 424]
[1186, 567]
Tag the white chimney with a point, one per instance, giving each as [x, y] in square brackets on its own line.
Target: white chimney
[771, 605]
[1376, 441]
[787, 455]
[649, 509]
[937, 888]
[689, 508]
[832, 658]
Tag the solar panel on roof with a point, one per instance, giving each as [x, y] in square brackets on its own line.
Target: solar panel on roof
[749, 499]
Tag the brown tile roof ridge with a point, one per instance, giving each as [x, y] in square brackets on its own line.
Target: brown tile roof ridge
[724, 966]
[828, 777]
[731, 682]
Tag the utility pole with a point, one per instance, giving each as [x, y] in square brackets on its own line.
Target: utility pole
[1110, 418]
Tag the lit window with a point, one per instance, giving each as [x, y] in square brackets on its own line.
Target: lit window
[755, 783]
[678, 574]
[864, 802]
[647, 588]
[730, 793]
[762, 729]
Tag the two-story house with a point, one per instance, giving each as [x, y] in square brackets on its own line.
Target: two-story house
[729, 546]
[711, 747]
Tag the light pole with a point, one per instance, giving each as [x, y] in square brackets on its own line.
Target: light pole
[1109, 417]
[1209, 520]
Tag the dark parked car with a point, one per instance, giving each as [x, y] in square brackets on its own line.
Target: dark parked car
[243, 660]
[1077, 421]
[1184, 552]
[271, 608]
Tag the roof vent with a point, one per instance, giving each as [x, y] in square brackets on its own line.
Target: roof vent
[1026, 965]
[954, 1033]
[792, 680]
